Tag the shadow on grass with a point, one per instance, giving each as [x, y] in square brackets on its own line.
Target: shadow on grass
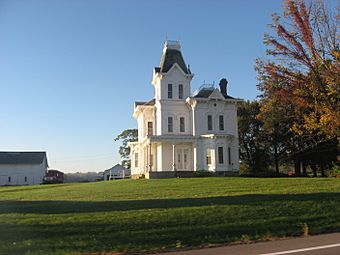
[251, 217]
[30, 188]
[64, 206]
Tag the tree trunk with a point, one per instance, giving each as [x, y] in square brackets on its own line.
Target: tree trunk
[297, 165]
[304, 168]
[322, 167]
[313, 166]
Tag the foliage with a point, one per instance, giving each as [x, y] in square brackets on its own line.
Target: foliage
[277, 118]
[253, 141]
[304, 70]
[128, 135]
[147, 216]
[335, 170]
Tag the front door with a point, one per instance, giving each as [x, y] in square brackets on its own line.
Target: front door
[182, 160]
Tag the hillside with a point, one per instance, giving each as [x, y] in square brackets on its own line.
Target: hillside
[152, 215]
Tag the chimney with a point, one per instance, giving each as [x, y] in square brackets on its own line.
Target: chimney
[223, 86]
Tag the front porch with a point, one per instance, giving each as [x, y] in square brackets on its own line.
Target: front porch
[171, 153]
[181, 156]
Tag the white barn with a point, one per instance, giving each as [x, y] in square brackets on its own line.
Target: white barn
[182, 132]
[22, 168]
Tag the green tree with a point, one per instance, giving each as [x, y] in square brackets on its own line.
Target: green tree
[277, 118]
[254, 152]
[128, 135]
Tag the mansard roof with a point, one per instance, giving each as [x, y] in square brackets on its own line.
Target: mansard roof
[169, 58]
[22, 157]
[151, 102]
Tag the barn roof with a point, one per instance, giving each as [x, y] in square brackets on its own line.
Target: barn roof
[17, 157]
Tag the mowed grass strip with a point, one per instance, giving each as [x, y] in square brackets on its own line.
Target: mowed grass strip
[153, 215]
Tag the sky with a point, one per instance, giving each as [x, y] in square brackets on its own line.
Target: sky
[70, 70]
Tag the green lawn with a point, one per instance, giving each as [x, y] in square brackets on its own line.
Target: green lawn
[153, 215]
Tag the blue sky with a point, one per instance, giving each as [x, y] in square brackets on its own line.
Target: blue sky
[70, 70]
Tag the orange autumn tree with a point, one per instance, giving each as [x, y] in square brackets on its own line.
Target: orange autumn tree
[303, 70]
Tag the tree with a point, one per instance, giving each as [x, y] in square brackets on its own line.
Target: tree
[305, 58]
[277, 118]
[277, 122]
[128, 135]
[253, 149]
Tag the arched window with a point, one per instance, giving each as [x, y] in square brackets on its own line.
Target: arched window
[210, 123]
[180, 91]
[181, 124]
[169, 90]
[170, 125]
[221, 122]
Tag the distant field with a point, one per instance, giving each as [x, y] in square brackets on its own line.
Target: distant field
[154, 215]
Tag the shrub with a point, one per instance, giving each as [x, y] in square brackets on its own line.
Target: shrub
[204, 173]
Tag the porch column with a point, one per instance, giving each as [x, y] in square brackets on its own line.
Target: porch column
[194, 153]
[150, 158]
[173, 157]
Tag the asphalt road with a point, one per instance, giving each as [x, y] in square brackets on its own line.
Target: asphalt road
[327, 244]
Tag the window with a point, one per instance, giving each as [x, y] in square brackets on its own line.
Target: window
[210, 127]
[229, 155]
[180, 91]
[169, 90]
[221, 122]
[136, 159]
[220, 155]
[25, 178]
[208, 158]
[170, 125]
[179, 160]
[9, 178]
[150, 128]
[181, 124]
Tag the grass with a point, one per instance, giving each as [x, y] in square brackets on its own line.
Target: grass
[157, 215]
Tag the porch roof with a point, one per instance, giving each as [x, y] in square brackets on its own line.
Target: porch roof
[172, 138]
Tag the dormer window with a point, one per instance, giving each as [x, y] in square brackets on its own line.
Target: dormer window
[180, 91]
[170, 91]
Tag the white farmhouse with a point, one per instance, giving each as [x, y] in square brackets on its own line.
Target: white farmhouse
[116, 172]
[22, 168]
[179, 133]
